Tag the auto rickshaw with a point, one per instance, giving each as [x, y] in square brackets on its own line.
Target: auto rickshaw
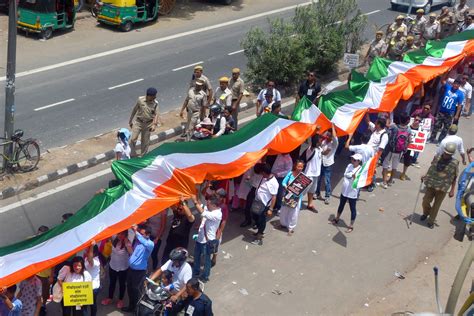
[125, 13]
[45, 16]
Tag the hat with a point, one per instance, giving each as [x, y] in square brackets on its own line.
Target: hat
[453, 129]
[221, 192]
[235, 70]
[151, 91]
[420, 11]
[433, 14]
[410, 38]
[223, 79]
[450, 148]
[400, 17]
[206, 121]
[357, 157]
[379, 32]
[198, 67]
[199, 82]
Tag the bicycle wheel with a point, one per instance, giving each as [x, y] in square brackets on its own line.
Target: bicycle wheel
[27, 156]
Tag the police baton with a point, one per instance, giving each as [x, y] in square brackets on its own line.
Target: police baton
[416, 203]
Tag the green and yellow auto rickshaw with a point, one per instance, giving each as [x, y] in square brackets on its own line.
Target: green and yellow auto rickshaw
[45, 16]
[125, 13]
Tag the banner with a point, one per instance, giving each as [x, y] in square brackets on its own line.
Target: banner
[77, 293]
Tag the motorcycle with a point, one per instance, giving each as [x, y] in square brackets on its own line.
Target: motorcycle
[153, 300]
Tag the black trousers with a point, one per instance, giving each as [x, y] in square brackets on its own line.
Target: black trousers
[154, 254]
[134, 281]
[248, 204]
[122, 278]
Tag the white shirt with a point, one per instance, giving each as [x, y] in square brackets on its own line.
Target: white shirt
[282, 165]
[66, 275]
[211, 220]
[365, 150]
[94, 271]
[466, 89]
[123, 150]
[328, 159]
[378, 139]
[222, 124]
[348, 179]
[119, 258]
[276, 95]
[181, 275]
[268, 188]
[451, 139]
[313, 166]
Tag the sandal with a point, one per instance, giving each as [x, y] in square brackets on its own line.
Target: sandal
[334, 221]
[349, 229]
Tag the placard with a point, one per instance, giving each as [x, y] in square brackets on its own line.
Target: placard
[418, 141]
[77, 293]
[295, 189]
[351, 60]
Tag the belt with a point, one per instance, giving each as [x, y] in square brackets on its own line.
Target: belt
[143, 120]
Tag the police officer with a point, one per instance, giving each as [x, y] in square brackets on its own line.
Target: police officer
[409, 45]
[195, 104]
[418, 25]
[236, 85]
[144, 119]
[377, 48]
[395, 26]
[207, 88]
[223, 95]
[395, 49]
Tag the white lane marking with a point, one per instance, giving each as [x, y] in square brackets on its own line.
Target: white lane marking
[54, 104]
[155, 41]
[236, 52]
[190, 65]
[371, 12]
[125, 84]
[55, 190]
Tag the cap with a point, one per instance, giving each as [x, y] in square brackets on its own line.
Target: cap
[453, 129]
[221, 192]
[223, 79]
[379, 33]
[433, 14]
[199, 82]
[400, 17]
[357, 157]
[450, 148]
[206, 121]
[457, 80]
[410, 38]
[420, 11]
[235, 70]
[198, 67]
[151, 91]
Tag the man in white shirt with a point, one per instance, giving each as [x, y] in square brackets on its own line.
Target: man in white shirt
[264, 203]
[211, 218]
[312, 158]
[269, 89]
[452, 138]
[329, 147]
[379, 137]
[282, 165]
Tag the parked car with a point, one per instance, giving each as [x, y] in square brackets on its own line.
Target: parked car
[424, 4]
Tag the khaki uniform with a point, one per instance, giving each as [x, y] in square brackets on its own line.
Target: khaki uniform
[417, 29]
[377, 49]
[438, 181]
[207, 84]
[142, 122]
[197, 102]
[392, 30]
[223, 98]
[431, 31]
[407, 49]
[395, 50]
[447, 25]
[460, 13]
[237, 87]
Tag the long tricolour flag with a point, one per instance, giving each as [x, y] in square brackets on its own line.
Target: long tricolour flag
[364, 177]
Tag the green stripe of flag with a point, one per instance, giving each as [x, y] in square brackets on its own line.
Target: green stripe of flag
[303, 105]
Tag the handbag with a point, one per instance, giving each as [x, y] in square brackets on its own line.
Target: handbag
[213, 245]
[257, 207]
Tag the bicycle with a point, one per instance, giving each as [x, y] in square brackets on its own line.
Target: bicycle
[26, 153]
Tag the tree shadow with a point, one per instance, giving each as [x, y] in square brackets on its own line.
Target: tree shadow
[187, 9]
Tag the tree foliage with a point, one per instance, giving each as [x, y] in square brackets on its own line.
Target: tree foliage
[316, 38]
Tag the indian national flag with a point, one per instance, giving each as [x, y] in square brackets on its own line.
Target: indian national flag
[365, 175]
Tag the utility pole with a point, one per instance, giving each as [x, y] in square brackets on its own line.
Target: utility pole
[10, 80]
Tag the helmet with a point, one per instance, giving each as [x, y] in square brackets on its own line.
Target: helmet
[450, 148]
[179, 254]
[215, 109]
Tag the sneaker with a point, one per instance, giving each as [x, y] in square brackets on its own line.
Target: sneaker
[390, 182]
[430, 226]
[423, 217]
[326, 201]
[120, 304]
[384, 185]
[403, 177]
[107, 301]
[257, 242]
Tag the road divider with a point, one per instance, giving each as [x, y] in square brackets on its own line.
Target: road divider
[54, 104]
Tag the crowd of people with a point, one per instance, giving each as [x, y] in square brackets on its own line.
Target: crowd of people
[264, 190]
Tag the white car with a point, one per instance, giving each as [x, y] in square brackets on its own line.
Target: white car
[424, 4]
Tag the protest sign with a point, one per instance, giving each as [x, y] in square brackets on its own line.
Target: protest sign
[418, 141]
[295, 189]
[77, 293]
[351, 60]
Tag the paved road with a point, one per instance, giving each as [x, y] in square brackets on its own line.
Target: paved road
[321, 270]
[81, 100]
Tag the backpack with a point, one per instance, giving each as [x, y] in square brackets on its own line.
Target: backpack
[398, 140]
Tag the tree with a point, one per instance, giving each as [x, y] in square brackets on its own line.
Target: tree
[316, 38]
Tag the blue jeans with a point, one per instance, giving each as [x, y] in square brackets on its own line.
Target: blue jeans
[202, 250]
[326, 174]
[352, 205]
[281, 190]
